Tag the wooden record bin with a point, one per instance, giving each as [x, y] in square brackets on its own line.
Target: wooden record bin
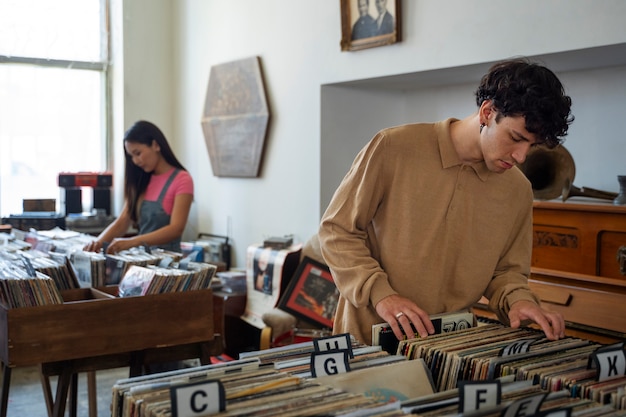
[94, 322]
[94, 329]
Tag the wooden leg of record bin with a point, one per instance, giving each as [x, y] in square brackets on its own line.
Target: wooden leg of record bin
[67, 388]
[63, 385]
[68, 371]
[92, 389]
[6, 382]
[47, 391]
[74, 395]
[67, 381]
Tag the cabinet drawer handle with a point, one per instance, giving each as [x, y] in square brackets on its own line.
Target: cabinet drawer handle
[563, 299]
[621, 259]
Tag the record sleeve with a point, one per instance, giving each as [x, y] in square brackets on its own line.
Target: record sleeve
[386, 383]
[136, 281]
[382, 334]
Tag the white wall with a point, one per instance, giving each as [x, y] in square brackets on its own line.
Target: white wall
[142, 69]
[351, 115]
[298, 42]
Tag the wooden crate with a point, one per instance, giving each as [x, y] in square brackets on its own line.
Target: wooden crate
[94, 322]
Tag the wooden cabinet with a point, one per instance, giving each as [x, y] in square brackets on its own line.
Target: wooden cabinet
[584, 238]
[578, 262]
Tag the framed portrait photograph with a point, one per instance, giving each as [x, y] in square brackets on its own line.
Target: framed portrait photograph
[369, 23]
[311, 294]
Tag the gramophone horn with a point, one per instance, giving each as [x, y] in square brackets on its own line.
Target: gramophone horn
[549, 171]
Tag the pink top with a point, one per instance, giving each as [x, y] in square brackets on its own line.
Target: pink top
[182, 184]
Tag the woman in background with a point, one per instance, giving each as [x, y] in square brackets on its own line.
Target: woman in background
[158, 193]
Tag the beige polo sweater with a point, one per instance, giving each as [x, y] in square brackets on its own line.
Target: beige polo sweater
[410, 218]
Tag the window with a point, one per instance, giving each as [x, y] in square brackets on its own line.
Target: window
[53, 96]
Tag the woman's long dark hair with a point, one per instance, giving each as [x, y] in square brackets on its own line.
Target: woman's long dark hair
[136, 179]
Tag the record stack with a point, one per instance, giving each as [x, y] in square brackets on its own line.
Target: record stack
[96, 269]
[146, 280]
[117, 264]
[20, 287]
[295, 359]
[276, 381]
[250, 390]
[277, 355]
[90, 268]
[476, 355]
[8, 244]
[54, 265]
[560, 403]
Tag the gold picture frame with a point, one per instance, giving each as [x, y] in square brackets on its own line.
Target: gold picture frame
[369, 23]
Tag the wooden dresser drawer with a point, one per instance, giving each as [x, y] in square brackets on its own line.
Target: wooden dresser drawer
[563, 248]
[579, 237]
[609, 254]
[583, 300]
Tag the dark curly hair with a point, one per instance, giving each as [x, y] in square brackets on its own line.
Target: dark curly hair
[519, 87]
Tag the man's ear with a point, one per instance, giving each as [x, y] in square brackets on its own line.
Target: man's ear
[486, 111]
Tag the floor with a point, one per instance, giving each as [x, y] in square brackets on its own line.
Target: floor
[26, 395]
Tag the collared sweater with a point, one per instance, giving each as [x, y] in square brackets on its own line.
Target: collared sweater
[410, 218]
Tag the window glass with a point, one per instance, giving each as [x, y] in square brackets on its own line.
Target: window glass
[51, 122]
[52, 118]
[52, 29]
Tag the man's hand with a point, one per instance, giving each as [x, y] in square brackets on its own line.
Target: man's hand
[400, 313]
[552, 323]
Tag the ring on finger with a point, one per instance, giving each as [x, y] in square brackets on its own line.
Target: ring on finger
[400, 314]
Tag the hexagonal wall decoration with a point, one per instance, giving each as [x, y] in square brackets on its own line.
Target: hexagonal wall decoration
[236, 117]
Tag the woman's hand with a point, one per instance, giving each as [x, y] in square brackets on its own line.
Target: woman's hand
[121, 243]
[93, 246]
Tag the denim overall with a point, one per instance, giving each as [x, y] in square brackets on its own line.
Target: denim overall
[153, 217]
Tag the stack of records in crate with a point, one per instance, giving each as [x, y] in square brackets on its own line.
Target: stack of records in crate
[25, 287]
[145, 280]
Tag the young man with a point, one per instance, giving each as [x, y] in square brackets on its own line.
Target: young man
[431, 217]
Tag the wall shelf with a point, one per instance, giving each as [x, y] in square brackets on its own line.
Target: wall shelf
[566, 61]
